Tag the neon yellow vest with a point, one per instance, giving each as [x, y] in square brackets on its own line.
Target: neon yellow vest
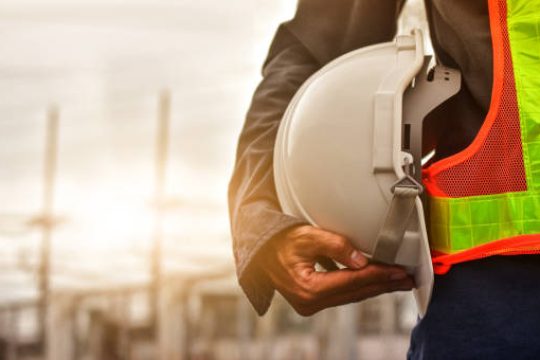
[485, 200]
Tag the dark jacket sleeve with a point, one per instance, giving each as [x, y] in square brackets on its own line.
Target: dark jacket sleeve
[320, 31]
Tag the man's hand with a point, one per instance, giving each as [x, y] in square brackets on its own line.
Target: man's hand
[289, 260]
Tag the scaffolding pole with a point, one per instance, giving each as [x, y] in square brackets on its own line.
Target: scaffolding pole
[47, 221]
[162, 145]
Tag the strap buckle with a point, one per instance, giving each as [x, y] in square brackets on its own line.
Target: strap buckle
[400, 212]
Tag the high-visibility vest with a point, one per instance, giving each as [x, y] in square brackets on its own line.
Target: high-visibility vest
[485, 200]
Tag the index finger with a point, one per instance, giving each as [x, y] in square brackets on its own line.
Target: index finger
[345, 280]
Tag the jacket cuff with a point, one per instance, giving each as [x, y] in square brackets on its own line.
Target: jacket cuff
[251, 276]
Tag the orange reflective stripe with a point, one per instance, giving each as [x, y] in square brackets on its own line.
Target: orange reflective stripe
[519, 245]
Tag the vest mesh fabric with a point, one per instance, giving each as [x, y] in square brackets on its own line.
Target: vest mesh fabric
[497, 166]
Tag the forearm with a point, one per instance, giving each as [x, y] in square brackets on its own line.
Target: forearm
[319, 33]
[255, 213]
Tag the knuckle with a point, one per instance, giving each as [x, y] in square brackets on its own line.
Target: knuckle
[301, 231]
[302, 241]
[340, 244]
[305, 297]
[304, 280]
[304, 292]
[311, 289]
[336, 244]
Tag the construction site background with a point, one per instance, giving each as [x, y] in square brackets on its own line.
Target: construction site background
[118, 125]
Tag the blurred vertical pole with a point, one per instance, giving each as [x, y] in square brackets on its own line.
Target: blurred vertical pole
[11, 334]
[173, 341]
[162, 145]
[342, 327]
[244, 327]
[47, 221]
[61, 338]
[350, 337]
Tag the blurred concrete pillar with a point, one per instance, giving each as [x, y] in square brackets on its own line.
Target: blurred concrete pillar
[244, 330]
[60, 328]
[119, 319]
[266, 332]
[387, 311]
[172, 328]
[11, 334]
[342, 333]
[98, 347]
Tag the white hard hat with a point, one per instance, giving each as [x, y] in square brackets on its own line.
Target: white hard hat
[347, 154]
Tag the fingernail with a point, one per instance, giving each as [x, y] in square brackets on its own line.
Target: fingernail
[398, 276]
[358, 259]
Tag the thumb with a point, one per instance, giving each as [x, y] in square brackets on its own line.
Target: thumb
[338, 248]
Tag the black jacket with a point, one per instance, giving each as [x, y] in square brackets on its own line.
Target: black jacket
[320, 31]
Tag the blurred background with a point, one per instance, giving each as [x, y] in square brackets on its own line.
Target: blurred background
[118, 126]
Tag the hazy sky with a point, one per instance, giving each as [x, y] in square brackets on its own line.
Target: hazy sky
[103, 63]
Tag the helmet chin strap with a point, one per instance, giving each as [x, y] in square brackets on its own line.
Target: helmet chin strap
[397, 219]
[426, 93]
